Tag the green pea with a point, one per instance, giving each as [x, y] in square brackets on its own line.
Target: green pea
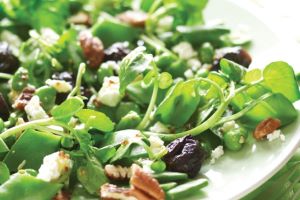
[2, 126]
[105, 70]
[67, 142]
[47, 96]
[20, 79]
[207, 53]
[234, 139]
[164, 60]
[158, 166]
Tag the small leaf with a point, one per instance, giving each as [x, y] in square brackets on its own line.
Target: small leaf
[133, 65]
[165, 80]
[94, 119]
[280, 77]
[252, 76]
[68, 108]
[4, 175]
[235, 71]
[3, 146]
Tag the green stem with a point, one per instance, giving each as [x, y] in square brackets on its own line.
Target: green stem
[209, 123]
[5, 76]
[146, 118]
[22, 127]
[246, 87]
[76, 89]
[244, 111]
[154, 6]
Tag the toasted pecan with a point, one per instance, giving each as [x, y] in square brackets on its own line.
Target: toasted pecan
[266, 127]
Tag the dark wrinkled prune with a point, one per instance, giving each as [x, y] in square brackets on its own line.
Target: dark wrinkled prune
[235, 54]
[185, 155]
[24, 98]
[4, 110]
[117, 51]
[8, 62]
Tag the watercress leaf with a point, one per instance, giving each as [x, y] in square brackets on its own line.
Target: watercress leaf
[105, 153]
[165, 80]
[4, 175]
[252, 76]
[28, 187]
[233, 70]
[179, 104]
[91, 175]
[3, 146]
[95, 119]
[68, 108]
[133, 65]
[280, 77]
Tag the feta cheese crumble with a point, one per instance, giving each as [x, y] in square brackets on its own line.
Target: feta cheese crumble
[59, 85]
[277, 134]
[109, 93]
[55, 166]
[156, 144]
[184, 50]
[229, 126]
[165, 24]
[216, 154]
[34, 110]
[159, 127]
[189, 74]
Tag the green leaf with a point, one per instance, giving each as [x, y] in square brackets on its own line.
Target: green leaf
[280, 77]
[104, 154]
[94, 119]
[28, 187]
[4, 175]
[68, 108]
[3, 146]
[165, 80]
[252, 76]
[133, 65]
[233, 70]
[91, 176]
[31, 147]
[179, 104]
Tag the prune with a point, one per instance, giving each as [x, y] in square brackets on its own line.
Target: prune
[185, 155]
[8, 62]
[24, 98]
[235, 54]
[117, 51]
[4, 110]
[92, 48]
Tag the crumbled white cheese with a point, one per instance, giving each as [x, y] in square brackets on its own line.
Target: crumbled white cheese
[229, 126]
[111, 65]
[184, 50]
[165, 24]
[55, 166]
[60, 86]
[277, 134]
[159, 127]
[216, 154]
[49, 36]
[189, 74]
[34, 110]
[156, 144]
[194, 64]
[109, 93]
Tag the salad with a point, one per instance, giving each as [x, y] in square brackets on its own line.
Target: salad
[128, 99]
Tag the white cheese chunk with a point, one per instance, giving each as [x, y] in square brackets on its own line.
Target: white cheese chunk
[277, 134]
[109, 93]
[34, 110]
[184, 50]
[59, 85]
[216, 154]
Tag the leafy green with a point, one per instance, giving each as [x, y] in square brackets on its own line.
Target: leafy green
[252, 76]
[280, 77]
[133, 65]
[94, 119]
[104, 154]
[4, 175]
[233, 70]
[179, 104]
[68, 108]
[3, 146]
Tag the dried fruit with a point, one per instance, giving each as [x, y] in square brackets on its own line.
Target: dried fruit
[235, 54]
[8, 62]
[110, 192]
[4, 109]
[185, 155]
[117, 51]
[133, 18]
[23, 99]
[93, 49]
[144, 185]
[266, 127]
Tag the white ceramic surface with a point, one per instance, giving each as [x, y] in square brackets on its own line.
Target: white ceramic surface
[238, 173]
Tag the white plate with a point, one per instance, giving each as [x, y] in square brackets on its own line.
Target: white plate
[236, 174]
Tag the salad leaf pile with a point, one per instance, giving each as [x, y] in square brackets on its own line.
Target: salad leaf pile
[87, 87]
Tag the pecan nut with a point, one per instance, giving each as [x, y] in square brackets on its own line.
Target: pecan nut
[133, 18]
[266, 127]
[110, 192]
[117, 172]
[93, 49]
[147, 186]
